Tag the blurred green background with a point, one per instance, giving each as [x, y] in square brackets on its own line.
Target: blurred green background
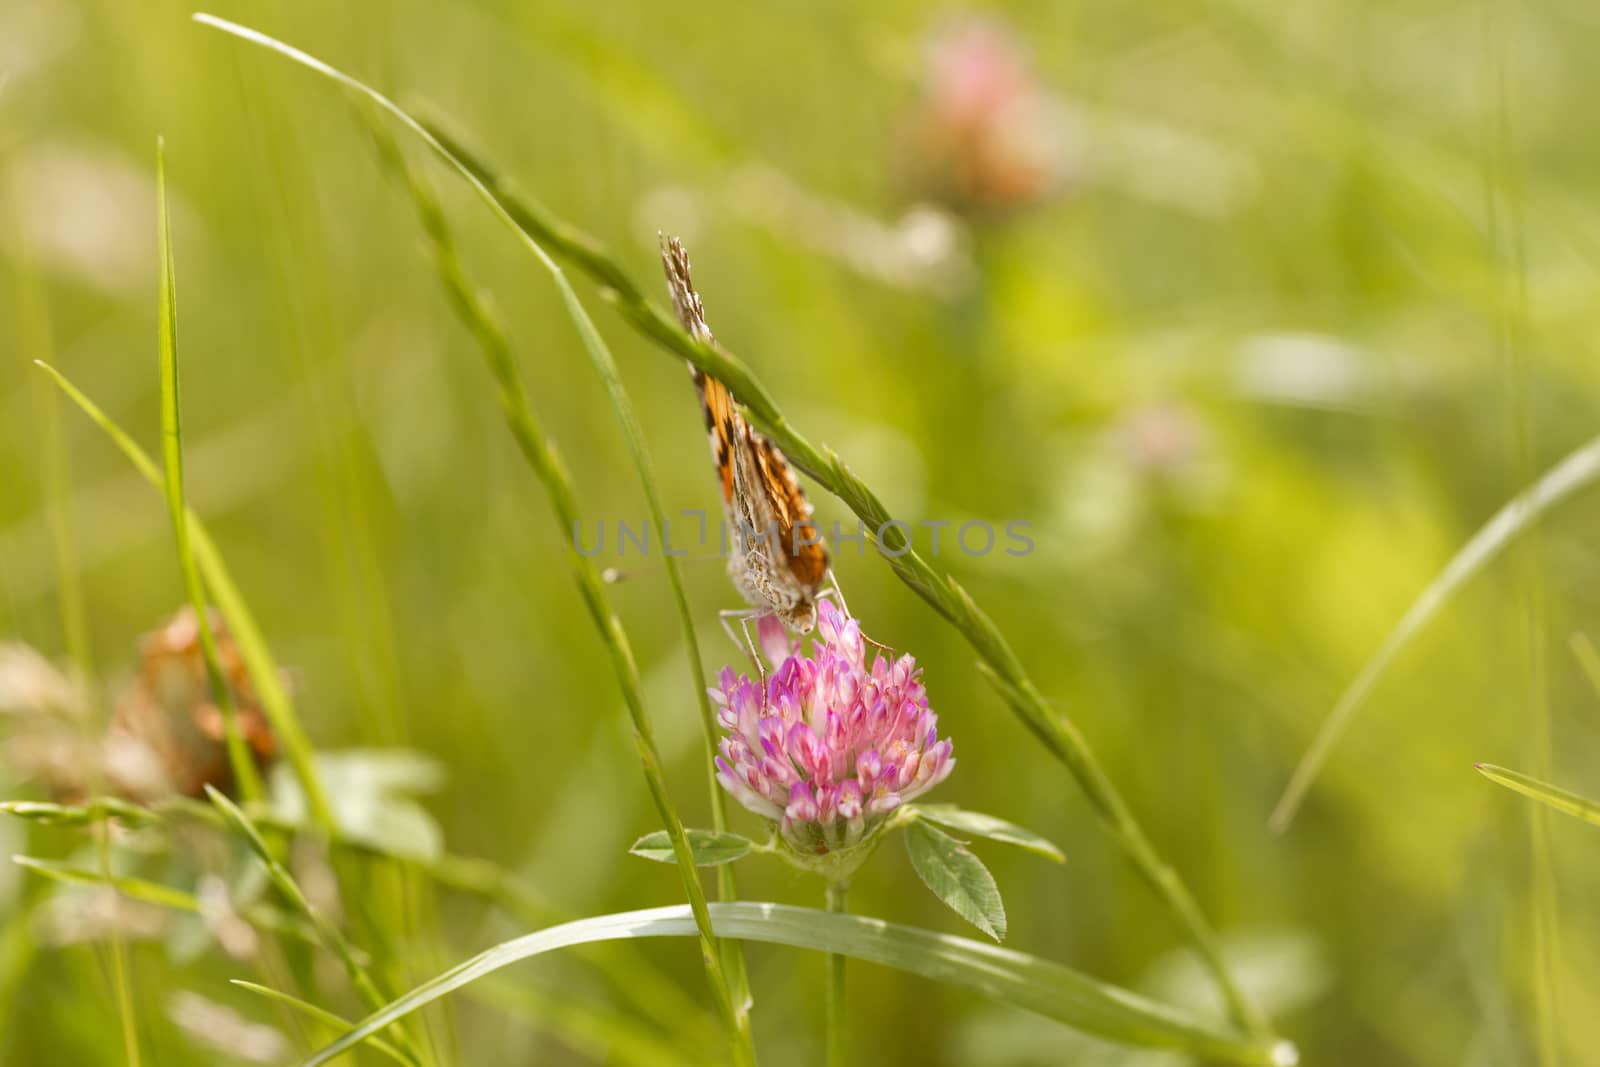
[1255, 312]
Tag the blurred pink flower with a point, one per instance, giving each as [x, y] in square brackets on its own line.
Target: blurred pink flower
[986, 135]
[832, 746]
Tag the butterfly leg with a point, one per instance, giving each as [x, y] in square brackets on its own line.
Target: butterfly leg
[747, 644]
[838, 594]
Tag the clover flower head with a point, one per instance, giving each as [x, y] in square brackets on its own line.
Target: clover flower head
[831, 746]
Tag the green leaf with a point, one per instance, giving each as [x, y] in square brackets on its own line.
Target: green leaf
[957, 877]
[709, 848]
[1569, 803]
[322, 1015]
[981, 825]
[1012, 977]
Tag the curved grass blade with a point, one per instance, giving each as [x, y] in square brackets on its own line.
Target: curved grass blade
[1012, 977]
[142, 890]
[1574, 472]
[258, 658]
[1554, 796]
[988, 826]
[239, 758]
[321, 1015]
[165, 896]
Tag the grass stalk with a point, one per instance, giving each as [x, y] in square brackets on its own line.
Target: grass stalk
[239, 758]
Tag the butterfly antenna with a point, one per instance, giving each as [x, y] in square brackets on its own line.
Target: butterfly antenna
[618, 575]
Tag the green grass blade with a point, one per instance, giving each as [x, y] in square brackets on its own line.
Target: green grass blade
[321, 1015]
[139, 889]
[1011, 977]
[1574, 472]
[1553, 796]
[172, 898]
[253, 649]
[1588, 658]
[239, 759]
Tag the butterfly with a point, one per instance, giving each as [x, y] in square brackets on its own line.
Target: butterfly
[776, 559]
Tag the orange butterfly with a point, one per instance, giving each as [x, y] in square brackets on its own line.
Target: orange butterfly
[777, 559]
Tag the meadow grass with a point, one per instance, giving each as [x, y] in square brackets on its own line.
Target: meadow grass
[346, 916]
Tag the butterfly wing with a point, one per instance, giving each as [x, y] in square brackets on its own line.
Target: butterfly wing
[759, 488]
[798, 540]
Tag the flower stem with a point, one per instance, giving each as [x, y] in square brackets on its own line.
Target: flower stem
[834, 989]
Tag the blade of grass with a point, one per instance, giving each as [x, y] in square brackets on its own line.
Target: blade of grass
[1588, 658]
[536, 230]
[165, 896]
[468, 304]
[75, 630]
[146, 892]
[327, 932]
[1550, 795]
[1574, 472]
[321, 1015]
[1011, 977]
[239, 759]
[1505, 225]
[258, 658]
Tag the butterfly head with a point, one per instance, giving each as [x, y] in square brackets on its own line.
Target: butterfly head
[801, 616]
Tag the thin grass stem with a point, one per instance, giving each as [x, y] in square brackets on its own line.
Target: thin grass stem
[240, 762]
